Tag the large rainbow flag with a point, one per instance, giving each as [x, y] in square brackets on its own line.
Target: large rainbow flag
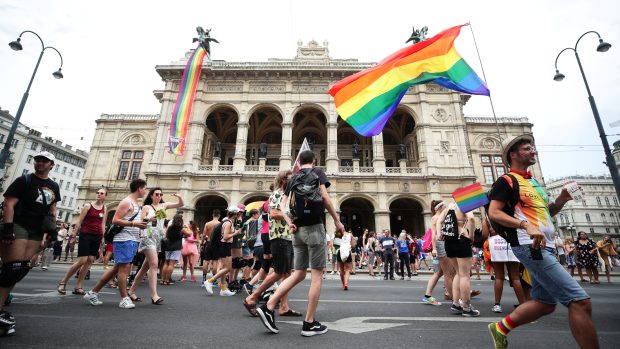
[367, 99]
[185, 100]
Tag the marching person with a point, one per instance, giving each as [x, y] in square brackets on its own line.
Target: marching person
[522, 208]
[27, 202]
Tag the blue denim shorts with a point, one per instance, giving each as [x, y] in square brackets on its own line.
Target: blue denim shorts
[551, 283]
[124, 251]
[246, 251]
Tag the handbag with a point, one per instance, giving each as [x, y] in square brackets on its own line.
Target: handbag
[115, 229]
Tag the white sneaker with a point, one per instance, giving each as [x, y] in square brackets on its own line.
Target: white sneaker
[126, 303]
[272, 288]
[496, 308]
[333, 272]
[208, 287]
[227, 293]
[43, 268]
[92, 298]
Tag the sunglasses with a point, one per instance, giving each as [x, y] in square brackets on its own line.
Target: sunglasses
[158, 194]
[100, 193]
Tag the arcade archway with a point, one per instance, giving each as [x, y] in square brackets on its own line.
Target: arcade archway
[205, 207]
[406, 213]
[358, 214]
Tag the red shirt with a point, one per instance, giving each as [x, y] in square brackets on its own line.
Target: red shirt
[92, 221]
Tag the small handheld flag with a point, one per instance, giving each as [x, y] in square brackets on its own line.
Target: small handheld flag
[470, 197]
[304, 146]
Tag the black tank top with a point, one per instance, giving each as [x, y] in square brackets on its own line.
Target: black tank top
[449, 227]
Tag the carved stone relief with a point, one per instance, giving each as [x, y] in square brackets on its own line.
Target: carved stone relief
[440, 115]
[259, 185]
[212, 183]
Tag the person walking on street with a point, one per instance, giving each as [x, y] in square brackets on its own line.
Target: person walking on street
[308, 191]
[522, 212]
[90, 224]
[29, 214]
[125, 245]
[607, 250]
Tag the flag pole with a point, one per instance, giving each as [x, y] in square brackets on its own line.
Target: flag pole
[485, 81]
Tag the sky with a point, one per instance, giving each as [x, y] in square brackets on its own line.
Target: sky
[110, 50]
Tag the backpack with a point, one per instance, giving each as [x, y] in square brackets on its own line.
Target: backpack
[216, 235]
[509, 208]
[305, 199]
[427, 245]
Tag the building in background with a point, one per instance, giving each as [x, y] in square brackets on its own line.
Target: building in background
[249, 120]
[68, 172]
[597, 214]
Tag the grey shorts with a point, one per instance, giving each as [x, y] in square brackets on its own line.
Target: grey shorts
[309, 246]
[441, 248]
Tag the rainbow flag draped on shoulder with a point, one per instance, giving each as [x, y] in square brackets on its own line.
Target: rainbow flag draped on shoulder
[185, 100]
[367, 99]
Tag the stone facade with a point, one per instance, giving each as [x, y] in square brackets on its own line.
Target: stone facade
[426, 151]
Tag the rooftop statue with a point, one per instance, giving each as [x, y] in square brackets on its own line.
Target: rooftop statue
[417, 35]
[204, 38]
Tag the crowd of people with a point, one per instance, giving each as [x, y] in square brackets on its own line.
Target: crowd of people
[268, 251]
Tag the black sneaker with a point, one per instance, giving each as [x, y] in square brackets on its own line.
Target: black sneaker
[310, 329]
[248, 288]
[471, 312]
[392, 278]
[385, 277]
[268, 318]
[6, 319]
[456, 309]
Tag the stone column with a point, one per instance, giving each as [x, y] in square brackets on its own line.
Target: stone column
[382, 220]
[403, 165]
[261, 164]
[286, 160]
[331, 160]
[242, 141]
[216, 164]
[356, 165]
[378, 161]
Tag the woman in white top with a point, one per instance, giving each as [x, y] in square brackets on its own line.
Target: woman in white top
[502, 257]
[150, 244]
[344, 256]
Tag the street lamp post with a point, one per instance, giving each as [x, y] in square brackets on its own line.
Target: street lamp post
[610, 162]
[17, 46]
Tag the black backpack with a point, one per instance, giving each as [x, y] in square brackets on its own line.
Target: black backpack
[305, 199]
[509, 208]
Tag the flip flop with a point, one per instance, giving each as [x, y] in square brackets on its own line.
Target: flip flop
[159, 301]
[290, 312]
[251, 308]
[79, 291]
[135, 298]
[62, 289]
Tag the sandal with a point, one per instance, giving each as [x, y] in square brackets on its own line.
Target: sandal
[251, 308]
[290, 312]
[158, 301]
[135, 298]
[61, 288]
[79, 291]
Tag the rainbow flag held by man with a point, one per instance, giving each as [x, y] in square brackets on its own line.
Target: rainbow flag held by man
[470, 197]
[367, 99]
[185, 100]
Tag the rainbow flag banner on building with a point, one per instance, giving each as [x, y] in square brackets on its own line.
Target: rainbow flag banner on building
[185, 100]
[367, 99]
[470, 197]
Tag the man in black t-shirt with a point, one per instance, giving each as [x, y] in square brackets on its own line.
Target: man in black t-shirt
[27, 201]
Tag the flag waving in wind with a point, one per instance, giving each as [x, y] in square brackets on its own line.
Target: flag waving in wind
[367, 99]
[304, 146]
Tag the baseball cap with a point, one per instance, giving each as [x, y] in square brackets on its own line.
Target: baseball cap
[509, 143]
[47, 155]
[233, 209]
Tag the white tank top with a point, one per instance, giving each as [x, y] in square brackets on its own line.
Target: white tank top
[130, 233]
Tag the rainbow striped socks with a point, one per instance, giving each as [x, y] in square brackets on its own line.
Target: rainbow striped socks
[505, 325]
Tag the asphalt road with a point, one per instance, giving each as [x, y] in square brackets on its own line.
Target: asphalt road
[372, 314]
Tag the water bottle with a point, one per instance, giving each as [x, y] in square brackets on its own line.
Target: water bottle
[435, 264]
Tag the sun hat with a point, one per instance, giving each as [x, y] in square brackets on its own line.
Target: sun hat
[509, 143]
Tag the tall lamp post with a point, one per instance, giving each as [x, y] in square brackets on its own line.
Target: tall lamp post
[610, 162]
[17, 46]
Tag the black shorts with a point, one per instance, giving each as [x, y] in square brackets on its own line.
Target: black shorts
[207, 252]
[282, 256]
[225, 248]
[266, 243]
[89, 245]
[458, 248]
[349, 259]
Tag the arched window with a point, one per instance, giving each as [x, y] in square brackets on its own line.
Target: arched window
[607, 201]
[598, 201]
[588, 217]
[603, 217]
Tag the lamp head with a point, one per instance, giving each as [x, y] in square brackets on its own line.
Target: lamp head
[16, 45]
[603, 46]
[58, 74]
[558, 76]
